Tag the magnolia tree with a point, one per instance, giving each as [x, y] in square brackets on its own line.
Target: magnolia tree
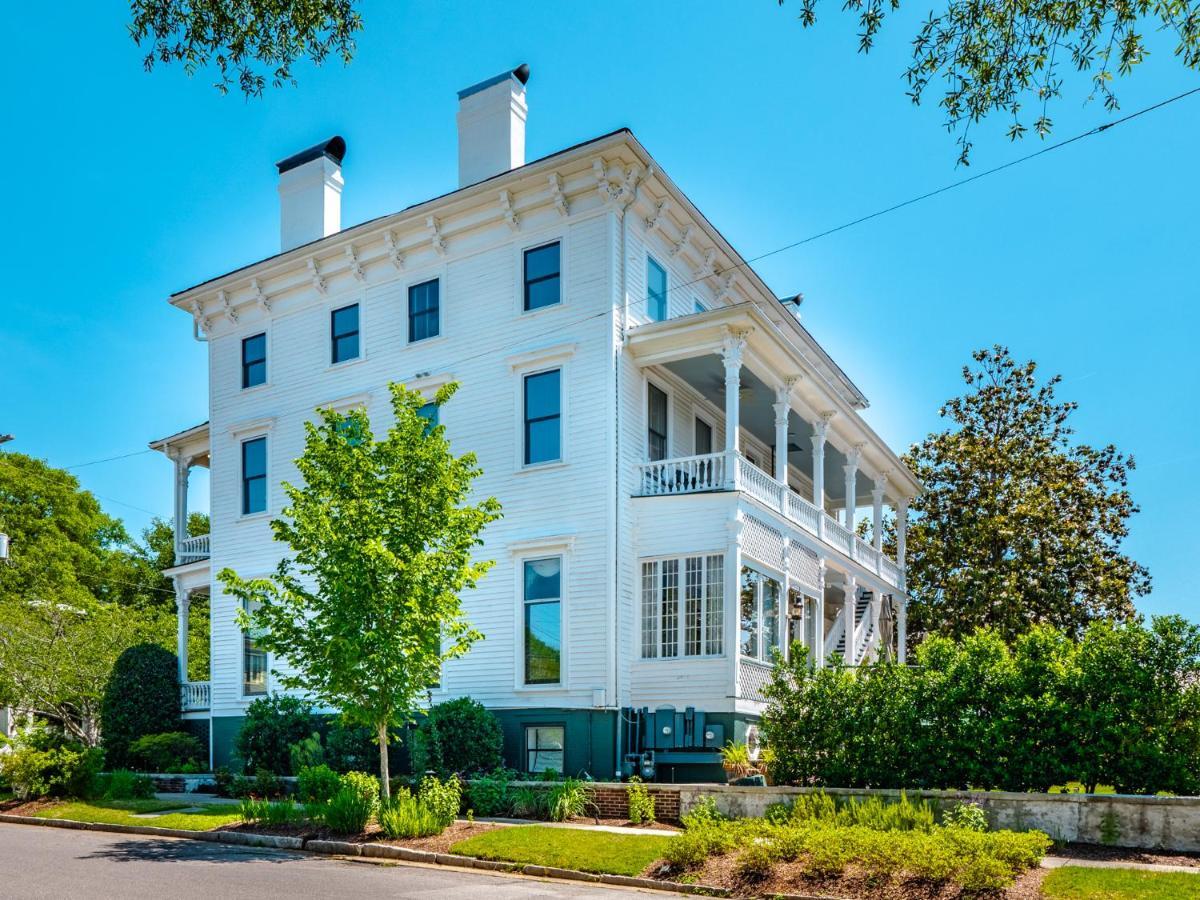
[366, 608]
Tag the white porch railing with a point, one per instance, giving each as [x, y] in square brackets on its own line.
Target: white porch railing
[194, 548]
[194, 695]
[689, 475]
[697, 474]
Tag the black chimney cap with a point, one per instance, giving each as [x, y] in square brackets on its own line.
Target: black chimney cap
[334, 148]
[522, 73]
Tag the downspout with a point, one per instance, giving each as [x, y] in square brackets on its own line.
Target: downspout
[618, 352]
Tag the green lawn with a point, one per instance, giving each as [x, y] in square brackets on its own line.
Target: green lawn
[121, 812]
[567, 848]
[1078, 883]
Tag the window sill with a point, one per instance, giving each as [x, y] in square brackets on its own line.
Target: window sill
[541, 310]
[254, 517]
[542, 467]
[254, 389]
[346, 363]
[425, 342]
[707, 657]
[540, 688]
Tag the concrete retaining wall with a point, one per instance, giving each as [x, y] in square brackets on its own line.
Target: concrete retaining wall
[1168, 823]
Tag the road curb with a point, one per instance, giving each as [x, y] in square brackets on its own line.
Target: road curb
[375, 851]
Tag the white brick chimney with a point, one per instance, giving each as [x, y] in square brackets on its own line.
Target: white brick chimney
[491, 126]
[310, 193]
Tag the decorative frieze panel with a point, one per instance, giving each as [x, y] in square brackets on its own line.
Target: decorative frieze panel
[762, 542]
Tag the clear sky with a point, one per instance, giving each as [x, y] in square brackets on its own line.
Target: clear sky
[123, 186]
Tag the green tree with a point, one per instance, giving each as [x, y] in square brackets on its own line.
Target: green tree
[1018, 524]
[156, 553]
[367, 609]
[1004, 56]
[141, 698]
[249, 41]
[66, 609]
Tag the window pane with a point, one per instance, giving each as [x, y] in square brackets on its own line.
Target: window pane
[344, 333]
[542, 578]
[670, 607]
[770, 616]
[542, 442]
[345, 320]
[542, 395]
[748, 623]
[703, 437]
[656, 290]
[649, 610]
[254, 360]
[254, 497]
[543, 437]
[541, 293]
[423, 306]
[714, 620]
[544, 748]
[345, 347]
[541, 261]
[542, 642]
[693, 597]
[656, 417]
[429, 412]
[254, 457]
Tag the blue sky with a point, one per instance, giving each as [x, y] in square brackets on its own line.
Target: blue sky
[124, 186]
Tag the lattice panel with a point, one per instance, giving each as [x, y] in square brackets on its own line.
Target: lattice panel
[762, 542]
[804, 565]
[752, 679]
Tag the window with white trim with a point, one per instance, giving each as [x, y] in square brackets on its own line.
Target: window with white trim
[656, 290]
[683, 619]
[657, 422]
[758, 621]
[542, 600]
[544, 748]
[254, 660]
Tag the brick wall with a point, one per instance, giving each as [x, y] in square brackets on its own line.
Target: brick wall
[612, 799]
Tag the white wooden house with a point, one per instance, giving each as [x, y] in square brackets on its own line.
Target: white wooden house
[680, 463]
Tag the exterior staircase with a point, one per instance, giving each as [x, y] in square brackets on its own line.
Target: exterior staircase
[866, 629]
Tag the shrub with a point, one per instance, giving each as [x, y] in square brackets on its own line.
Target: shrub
[317, 784]
[306, 753]
[641, 804]
[529, 803]
[755, 861]
[490, 795]
[122, 784]
[44, 763]
[983, 873]
[272, 725]
[263, 784]
[406, 816]
[458, 736]
[350, 748]
[569, 799]
[141, 698]
[366, 786]
[442, 798]
[349, 811]
[165, 752]
[966, 815]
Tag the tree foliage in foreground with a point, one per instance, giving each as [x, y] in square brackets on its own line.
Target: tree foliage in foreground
[1120, 707]
[249, 41]
[1019, 523]
[382, 532]
[1002, 56]
[141, 698]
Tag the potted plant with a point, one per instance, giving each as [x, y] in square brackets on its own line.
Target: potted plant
[735, 759]
[766, 758]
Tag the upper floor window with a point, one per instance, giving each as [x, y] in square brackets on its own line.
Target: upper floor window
[543, 415]
[683, 607]
[759, 619]
[656, 290]
[703, 437]
[254, 360]
[423, 311]
[656, 423]
[429, 412]
[254, 659]
[542, 276]
[343, 334]
[542, 601]
[254, 476]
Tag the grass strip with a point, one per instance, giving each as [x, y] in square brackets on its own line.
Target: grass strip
[1078, 883]
[124, 812]
[567, 848]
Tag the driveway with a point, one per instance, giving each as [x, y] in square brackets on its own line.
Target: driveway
[57, 863]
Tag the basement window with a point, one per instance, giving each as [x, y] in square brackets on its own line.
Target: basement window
[544, 748]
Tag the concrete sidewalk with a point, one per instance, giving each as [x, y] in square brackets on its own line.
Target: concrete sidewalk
[1057, 862]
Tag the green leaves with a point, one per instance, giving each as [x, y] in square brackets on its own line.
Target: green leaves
[381, 532]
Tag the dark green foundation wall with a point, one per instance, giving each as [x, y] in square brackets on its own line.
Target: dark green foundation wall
[590, 735]
[224, 730]
[709, 771]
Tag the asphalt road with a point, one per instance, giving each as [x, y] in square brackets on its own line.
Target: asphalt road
[51, 862]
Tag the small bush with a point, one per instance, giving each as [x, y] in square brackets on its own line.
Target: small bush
[349, 811]
[755, 861]
[442, 798]
[265, 784]
[457, 737]
[704, 813]
[272, 725]
[406, 816]
[123, 784]
[44, 763]
[529, 803]
[363, 784]
[317, 784]
[306, 753]
[569, 799]
[983, 873]
[165, 752]
[351, 748]
[966, 815]
[641, 804]
[490, 795]
[141, 698]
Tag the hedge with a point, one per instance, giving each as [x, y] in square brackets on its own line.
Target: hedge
[142, 697]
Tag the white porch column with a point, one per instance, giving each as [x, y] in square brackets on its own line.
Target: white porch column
[820, 432]
[731, 354]
[182, 603]
[781, 430]
[902, 630]
[877, 493]
[818, 650]
[182, 471]
[902, 537]
[853, 460]
[850, 594]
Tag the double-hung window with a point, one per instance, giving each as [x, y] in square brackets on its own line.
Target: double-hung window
[683, 606]
[424, 310]
[543, 416]
[254, 659]
[343, 334]
[542, 270]
[429, 412]
[759, 618]
[254, 476]
[656, 423]
[656, 290]
[542, 614]
[254, 360]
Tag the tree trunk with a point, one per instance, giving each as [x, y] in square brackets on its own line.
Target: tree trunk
[384, 787]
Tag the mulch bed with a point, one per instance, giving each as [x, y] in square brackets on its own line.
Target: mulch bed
[1126, 855]
[790, 878]
[27, 807]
